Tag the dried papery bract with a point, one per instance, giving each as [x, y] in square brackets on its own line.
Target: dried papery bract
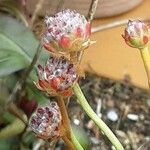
[137, 34]
[46, 121]
[67, 31]
[57, 76]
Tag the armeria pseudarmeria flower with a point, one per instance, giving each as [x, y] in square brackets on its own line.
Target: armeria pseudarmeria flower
[137, 34]
[57, 76]
[66, 31]
[46, 121]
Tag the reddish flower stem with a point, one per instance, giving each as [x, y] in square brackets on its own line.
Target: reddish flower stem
[68, 143]
[65, 123]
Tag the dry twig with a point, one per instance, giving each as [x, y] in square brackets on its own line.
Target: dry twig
[90, 17]
[115, 24]
[35, 13]
[92, 10]
[59, 6]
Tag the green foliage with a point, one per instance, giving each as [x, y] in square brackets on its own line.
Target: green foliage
[81, 137]
[34, 93]
[28, 138]
[13, 8]
[17, 49]
[9, 143]
[8, 118]
[18, 46]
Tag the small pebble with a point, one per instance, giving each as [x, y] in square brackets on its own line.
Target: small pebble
[76, 121]
[112, 115]
[142, 117]
[95, 141]
[133, 117]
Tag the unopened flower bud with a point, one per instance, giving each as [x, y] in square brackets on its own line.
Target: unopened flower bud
[46, 121]
[66, 31]
[28, 106]
[137, 34]
[57, 76]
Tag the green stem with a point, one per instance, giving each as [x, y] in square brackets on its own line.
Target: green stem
[75, 142]
[146, 60]
[87, 108]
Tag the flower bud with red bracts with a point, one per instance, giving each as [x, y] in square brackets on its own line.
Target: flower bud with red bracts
[66, 31]
[46, 121]
[57, 76]
[137, 34]
[28, 106]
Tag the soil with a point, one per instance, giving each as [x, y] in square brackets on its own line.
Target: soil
[122, 106]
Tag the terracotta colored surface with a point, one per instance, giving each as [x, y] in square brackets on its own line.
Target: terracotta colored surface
[111, 57]
[105, 7]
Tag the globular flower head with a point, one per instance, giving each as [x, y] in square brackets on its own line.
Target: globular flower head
[57, 76]
[46, 121]
[66, 31]
[137, 34]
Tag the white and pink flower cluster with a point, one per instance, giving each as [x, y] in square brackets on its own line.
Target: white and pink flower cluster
[46, 121]
[137, 34]
[66, 31]
[57, 76]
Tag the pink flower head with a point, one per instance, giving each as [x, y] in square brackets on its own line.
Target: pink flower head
[137, 34]
[66, 31]
[57, 76]
[46, 121]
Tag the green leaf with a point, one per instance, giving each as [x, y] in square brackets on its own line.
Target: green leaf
[10, 62]
[8, 117]
[82, 137]
[9, 143]
[6, 84]
[13, 8]
[18, 46]
[29, 138]
[34, 93]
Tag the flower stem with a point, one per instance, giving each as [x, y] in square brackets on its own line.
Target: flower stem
[67, 137]
[145, 54]
[87, 108]
[65, 118]
[92, 10]
[68, 143]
